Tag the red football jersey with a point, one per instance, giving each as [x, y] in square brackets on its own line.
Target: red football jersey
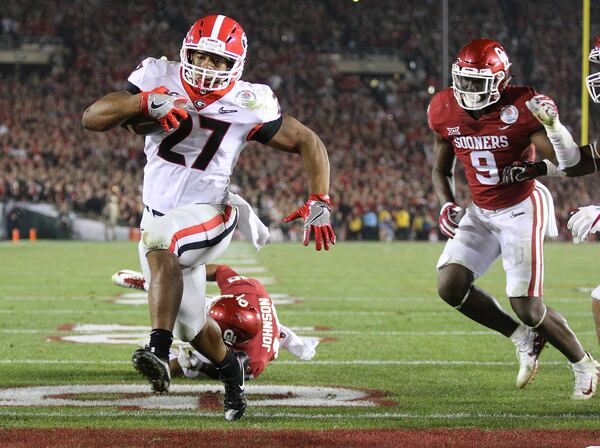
[263, 347]
[486, 146]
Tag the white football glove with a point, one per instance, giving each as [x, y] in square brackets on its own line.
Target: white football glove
[168, 109]
[450, 216]
[544, 109]
[584, 221]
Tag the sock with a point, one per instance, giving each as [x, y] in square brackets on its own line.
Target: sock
[583, 361]
[160, 343]
[229, 368]
[519, 334]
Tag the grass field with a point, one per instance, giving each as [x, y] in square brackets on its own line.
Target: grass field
[385, 331]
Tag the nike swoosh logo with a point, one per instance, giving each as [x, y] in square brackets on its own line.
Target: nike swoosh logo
[321, 213]
[153, 105]
[514, 215]
[222, 110]
[501, 128]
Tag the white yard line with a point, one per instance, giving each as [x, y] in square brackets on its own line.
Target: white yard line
[81, 413]
[366, 362]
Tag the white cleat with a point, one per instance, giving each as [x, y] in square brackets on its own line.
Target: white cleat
[586, 378]
[528, 353]
[129, 279]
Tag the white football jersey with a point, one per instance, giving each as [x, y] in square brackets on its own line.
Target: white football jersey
[193, 163]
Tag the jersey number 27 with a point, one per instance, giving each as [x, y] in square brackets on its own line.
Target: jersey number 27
[210, 148]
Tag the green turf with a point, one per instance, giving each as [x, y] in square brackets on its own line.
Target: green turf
[379, 301]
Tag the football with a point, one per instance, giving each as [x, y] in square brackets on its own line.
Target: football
[142, 125]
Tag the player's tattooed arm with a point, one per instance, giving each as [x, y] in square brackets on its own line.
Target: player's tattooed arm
[110, 111]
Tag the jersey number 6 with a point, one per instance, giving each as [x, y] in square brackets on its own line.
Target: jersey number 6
[210, 148]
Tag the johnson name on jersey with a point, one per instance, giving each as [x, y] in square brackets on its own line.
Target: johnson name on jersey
[264, 347]
[488, 144]
[193, 163]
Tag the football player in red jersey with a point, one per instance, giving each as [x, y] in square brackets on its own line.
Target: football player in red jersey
[577, 162]
[484, 122]
[247, 319]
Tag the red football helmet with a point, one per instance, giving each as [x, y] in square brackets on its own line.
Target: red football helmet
[219, 35]
[593, 80]
[239, 320]
[480, 74]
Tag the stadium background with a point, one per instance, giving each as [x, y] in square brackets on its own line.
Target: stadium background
[372, 122]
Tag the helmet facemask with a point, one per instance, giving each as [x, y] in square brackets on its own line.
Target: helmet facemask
[476, 89]
[593, 81]
[205, 78]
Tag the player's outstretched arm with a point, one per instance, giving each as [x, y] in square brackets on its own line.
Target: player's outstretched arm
[294, 137]
[110, 111]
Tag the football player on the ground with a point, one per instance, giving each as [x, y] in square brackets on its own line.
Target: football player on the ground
[574, 162]
[484, 122]
[208, 114]
[247, 319]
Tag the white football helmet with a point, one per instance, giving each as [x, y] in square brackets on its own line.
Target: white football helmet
[593, 80]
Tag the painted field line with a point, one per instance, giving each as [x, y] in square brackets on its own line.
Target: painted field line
[81, 413]
[120, 310]
[361, 362]
[52, 298]
[237, 261]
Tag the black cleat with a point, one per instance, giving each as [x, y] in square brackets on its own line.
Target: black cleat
[234, 403]
[156, 371]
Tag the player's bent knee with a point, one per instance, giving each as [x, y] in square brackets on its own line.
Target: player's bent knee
[186, 331]
[452, 290]
[530, 311]
[156, 235]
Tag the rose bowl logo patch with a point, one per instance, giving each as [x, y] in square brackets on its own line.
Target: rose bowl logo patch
[509, 114]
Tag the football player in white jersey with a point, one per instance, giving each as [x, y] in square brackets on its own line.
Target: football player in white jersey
[208, 114]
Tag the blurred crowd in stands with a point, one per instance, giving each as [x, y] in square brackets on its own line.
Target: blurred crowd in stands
[374, 127]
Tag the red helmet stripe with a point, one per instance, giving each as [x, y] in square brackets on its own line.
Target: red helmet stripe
[217, 27]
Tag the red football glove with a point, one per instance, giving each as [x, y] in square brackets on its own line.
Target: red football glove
[316, 216]
[167, 109]
[450, 215]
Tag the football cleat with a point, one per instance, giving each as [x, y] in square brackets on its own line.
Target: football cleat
[129, 279]
[156, 370]
[586, 378]
[234, 402]
[528, 353]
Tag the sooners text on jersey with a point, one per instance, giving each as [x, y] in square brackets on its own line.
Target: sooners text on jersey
[486, 146]
[193, 163]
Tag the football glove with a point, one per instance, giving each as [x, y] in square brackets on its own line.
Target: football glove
[519, 171]
[450, 216]
[583, 221]
[316, 215]
[544, 109]
[160, 105]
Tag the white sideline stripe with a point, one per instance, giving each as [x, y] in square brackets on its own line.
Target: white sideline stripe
[370, 415]
[361, 362]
